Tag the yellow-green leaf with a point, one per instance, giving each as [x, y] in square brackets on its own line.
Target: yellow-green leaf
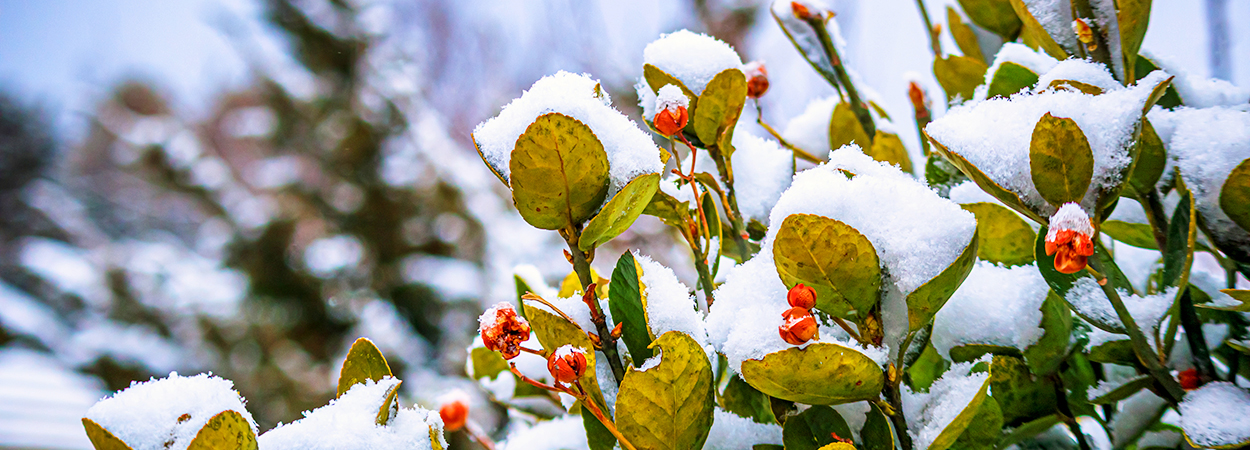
[1235, 195]
[720, 104]
[553, 331]
[814, 428]
[1045, 356]
[227, 430]
[819, 374]
[670, 211]
[984, 429]
[994, 15]
[951, 433]
[887, 147]
[959, 75]
[1034, 35]
[983, 181]
[1124, 390]
[1010, 78]
[1133, 17]
[669, 406]
[1073, 85]
[620, 212]
[1139, 235]
[1242, 296]
[559, 172]
[965, 38]
[845, 128]
[363, 362]
[831, 257]
[390, 405]
[927, 299]
[740, 398]
[486, 363]
[1022, 395]
[1152, 157]
[101, 438]
[1061, 161]
[1005, 237]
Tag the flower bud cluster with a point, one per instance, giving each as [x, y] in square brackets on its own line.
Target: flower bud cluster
[1070, 238]
[503, 330]
[800, 325]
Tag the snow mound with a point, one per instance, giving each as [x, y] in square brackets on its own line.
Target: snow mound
[1207, 145]
[995, 306]
[669, 304]
[148, 415]
[928, 413]
[693, 58]
[732, 432]
[1217, 414]
[762, 171]
[350, 422]
[810, 130]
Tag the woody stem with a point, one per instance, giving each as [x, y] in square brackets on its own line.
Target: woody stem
[847, 327]
[798, 152]
[477, 435]
[589, 404]
[582, 267]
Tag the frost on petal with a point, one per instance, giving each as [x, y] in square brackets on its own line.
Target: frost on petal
[151, 414]
[693, 58]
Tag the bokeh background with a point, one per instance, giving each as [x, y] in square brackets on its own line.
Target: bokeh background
[243, 187]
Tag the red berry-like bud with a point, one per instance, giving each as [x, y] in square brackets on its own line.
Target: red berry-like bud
[454, 410]
[799, 327]
[669, 122]
[567, 364]
[757, 78]
[1070, 238]
[503, 330]
[801, 296]
[1189, 379]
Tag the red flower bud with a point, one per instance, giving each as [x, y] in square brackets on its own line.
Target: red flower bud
[454, 411]
[1070, 238]
[801, 11]
[918, 101]
[503, 330]
[799, 327]
[1189, 379]
[757, 78]
[567, 364]
[801, 296]
[670, 122]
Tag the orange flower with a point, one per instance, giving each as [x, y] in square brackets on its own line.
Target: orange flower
[503, 330]
[801, 296]
[799, 327]
[670, 122]
[1189, 379]
[567, 364]
[757, 78]
[1070, 238]
[454, 411]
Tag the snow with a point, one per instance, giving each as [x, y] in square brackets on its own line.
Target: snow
[928, 413]
[1207, 144]
[350, 422]
[669, 304]
[1069, 217]
[1055, 16]
[147, 415]
[1106, 16]
[995, 306]
[630, 150]
[1199, 92]
[42, 401]
[1078, 70]
[693, 58]
[968, 192]
[1088, 299]
[671, 97]
[1217, 414]
[762, 171]
[732, 432]
[1036, 61]
[994, 135]
[564, 433]
[810, 130]
[803, 35]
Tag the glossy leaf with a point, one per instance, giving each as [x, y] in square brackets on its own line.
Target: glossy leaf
[668, 209]
[845, 129]
[1178, 256]
[1034, 35]
[363, 362]
[832, 258]
[1061, 160]
[984, 182]
[390, 404]
[629, 307]
[1235, 195]
[745, 401]
[559, 172]
[887, 147]
[984, 429]
[1021, 395]
[1242, 296]
[819, 374]
[720, 104]
[927, 299]
[597, 435]
[1135, 234]
[1010, 78]
[877, 433]
[1005, 238]
[1151, 160]
[101, 438]
[994, 15]
[486, 363]
[668, 406]
[1046, 355]
[959, 75]
[814, 428]
[926, 369]
[620, 212]
[227, 430]
[1075, 86]
[962, 421]
[1133, 17]
[964, 37]
[1119, 351]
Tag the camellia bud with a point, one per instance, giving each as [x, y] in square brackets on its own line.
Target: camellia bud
[802, 11]
[757, 78]
[567, 364]
[503, 330]
[799, 327]
[801, 296]
[671, 103]
[454, 410]
[1070, 238]
[918, 101]
[1189, 379]
[1084, 33]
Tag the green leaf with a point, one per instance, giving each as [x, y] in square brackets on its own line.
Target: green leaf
[1133, 17]
[101, 438]
[1151, 159]
[984, 430]
[970, 352]
[965, 38]
[819, 374]
[620, 212]
[845, 129]
[745, 401]
[959, 75]
[363, 362]
[1170, 99]
[559, 172]
[1010, 78]
[877, 433]
[831, 257]
[1005, 237]
[1139, 235]
[1061, 161]
[486, 363]
[553, 331]
[1046, 355]
[1073, 85]
[670, 211]
[657, 79]
[1235, 195]
[629, 308]
[720, 104]
[1021, 396]
[983, 181]
[714, 224]
[926, 369]
[1124, 390]
[597, 435]
[670, 405]
[888, 147]
[1028, 430]
[1061, 283]
[994, 15]
[927, 299]
[390, 404]
[1178, 255]
[814, 428]
[1242, 296]
[1119, 351]
[951, 433]
[227, 430]
[1034, 35]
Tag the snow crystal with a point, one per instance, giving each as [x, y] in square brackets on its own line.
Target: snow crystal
[147, 415]
[1198, 92]
[994, 135]
[1078, 70]
[762, 171]
[1217, 414]
[630, 150]
[1088, 299]
[995, 306]
[558, 434]
[669, 304]
[1208, 144]
[671, 97]
[810, 130]
[350, 422]
[1070, 217]
[928, 413]
[732, 432]
[692, 58]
